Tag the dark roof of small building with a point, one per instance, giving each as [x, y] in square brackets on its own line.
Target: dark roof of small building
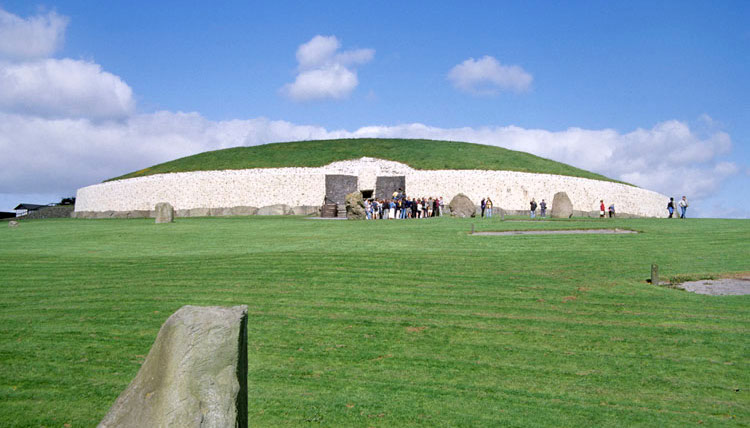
[30, 207]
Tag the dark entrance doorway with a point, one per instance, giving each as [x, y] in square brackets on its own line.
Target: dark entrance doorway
[367, 194]
[385, 186]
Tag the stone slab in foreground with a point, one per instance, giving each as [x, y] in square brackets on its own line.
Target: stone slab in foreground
[194, 376]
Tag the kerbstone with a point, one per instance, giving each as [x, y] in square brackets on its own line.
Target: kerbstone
[461, 206]
[355, 206]
[194, 376]
[561, 206]
[164, 213]
[12, 223]
[278, 209]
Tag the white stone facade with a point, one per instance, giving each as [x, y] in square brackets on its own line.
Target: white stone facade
[509, 190]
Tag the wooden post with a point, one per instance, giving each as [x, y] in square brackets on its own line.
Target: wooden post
[472, 228]
[655, 274]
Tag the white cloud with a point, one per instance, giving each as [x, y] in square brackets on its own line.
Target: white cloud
[63, 88]
[486, 76]
[34, 37]
[324, 72]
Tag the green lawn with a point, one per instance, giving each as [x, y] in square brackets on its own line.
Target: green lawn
[388, 323]
[419, 154]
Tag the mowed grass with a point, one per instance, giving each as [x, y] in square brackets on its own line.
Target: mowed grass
[419, 154]
[388, 323]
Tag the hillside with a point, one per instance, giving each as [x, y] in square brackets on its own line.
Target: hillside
[419, 154]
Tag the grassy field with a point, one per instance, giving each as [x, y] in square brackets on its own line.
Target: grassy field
[419, 154]
[388, 323]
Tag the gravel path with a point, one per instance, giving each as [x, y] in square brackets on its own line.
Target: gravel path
[558, 232]
[719, 287]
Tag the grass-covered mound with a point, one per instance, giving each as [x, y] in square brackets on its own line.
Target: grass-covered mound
[419, 154]
[411, 323]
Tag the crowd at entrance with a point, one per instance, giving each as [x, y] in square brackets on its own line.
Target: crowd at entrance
[402, 207]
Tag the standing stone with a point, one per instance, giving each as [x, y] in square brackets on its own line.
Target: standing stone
[194, 376]
[561, 206]
[355, 206]
[461, 206]
[164, 213]
[12, 223]
[655, 274]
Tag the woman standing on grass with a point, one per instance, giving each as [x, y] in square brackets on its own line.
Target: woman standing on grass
[488, 207]
[601, 209]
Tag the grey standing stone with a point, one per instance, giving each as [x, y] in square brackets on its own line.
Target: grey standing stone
[164, 213]
[561, 206]
[461, 206]
[194, 376]
[355, 206]
[12, 223]
[655, 274]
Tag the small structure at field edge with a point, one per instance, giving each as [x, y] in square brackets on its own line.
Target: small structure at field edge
[194, 376]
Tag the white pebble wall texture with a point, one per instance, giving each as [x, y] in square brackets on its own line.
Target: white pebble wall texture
[306, 186]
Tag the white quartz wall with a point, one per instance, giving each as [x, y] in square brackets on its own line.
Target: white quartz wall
[306, 186]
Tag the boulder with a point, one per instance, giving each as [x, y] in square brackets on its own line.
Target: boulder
[194, 376]
[355, 206]
[561, 206]
[278, 209]
[461, 206]
[164, 212]
[12, 223]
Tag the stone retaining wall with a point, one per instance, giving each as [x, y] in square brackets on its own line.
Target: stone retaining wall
[209, 192]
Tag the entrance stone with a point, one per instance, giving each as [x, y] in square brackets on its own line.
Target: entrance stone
[561, 206]
[355, 206]
[194, 376]
[164, 213]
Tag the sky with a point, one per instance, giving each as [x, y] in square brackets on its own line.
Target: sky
[654, 93]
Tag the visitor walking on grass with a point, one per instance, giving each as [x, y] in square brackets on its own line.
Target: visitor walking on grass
[488, 207]
[543, 208]
[683, 206]
[611, 210]
[483, 205]
[670, 207]
[601, 209]
[532, 205]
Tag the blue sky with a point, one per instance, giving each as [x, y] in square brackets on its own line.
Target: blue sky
[653, 93]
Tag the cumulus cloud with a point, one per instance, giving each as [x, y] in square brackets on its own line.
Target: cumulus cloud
[34, 37]
[63, 88]
[324, 72]
[486, 76]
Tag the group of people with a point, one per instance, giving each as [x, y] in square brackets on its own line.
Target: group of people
[683, 204]
[542, 208]
[403, 207]
[486, 207]
[602, 211]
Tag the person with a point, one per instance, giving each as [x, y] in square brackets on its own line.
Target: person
[488, 206]
[611, 210]
[601, 209]
[543, 208]
[368, 209]
[429, 207]
[442, 206]
[532, 205]
[670, 207]
[392, 214]
[683, 206]
[482, 205]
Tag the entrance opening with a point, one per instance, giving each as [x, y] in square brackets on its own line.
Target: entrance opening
[367, 194]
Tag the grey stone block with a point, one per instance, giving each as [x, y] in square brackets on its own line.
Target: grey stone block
[278, 209]
[164, 213]
[461, 206]
[562, 207]
[194, 376]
